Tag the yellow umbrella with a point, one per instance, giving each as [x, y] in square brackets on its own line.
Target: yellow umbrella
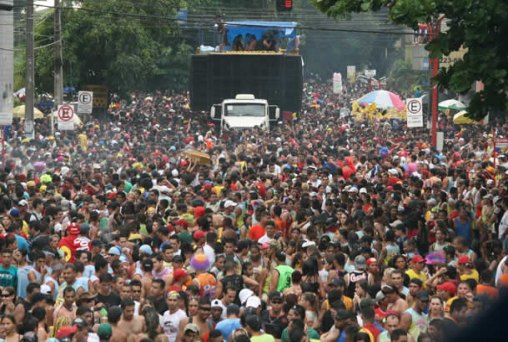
[19, 112]
[461, 118]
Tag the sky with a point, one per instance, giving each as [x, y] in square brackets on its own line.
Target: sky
[43, 2]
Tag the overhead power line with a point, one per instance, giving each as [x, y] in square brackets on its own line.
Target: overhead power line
[200, 22]
[35, 48]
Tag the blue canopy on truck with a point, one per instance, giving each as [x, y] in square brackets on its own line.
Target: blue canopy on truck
[281, 29]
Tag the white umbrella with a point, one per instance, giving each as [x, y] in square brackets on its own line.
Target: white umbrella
[20, 93]
[451, 104]
[75, 119]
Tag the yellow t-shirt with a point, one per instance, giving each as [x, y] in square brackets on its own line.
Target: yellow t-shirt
[83, 141]
[138, 166]
[428, 216]
[188, 217]
[217, 189]
[412, 274]
[25, 228]
[451, 300]
[348, 303]
[243, 166]
[449, 303]
[473, 275]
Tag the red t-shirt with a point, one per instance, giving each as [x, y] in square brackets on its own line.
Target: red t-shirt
[72, 243]
[393, 180]
[256, 232]
[280, 226]
[454, 214]
[372, 329]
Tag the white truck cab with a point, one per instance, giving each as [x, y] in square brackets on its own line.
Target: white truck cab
[244, 111]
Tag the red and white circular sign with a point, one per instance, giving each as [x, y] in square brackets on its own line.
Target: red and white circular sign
[65, 113]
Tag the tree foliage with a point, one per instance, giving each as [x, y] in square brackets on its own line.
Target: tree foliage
[404, 79]
[479, 26]
[123, 44]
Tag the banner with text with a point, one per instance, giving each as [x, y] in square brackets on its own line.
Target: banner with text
[337, 83]
[351, 73]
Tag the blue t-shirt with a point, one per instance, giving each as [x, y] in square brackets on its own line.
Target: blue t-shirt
[342, 336]
[22, 243]
[463, 229]
[23, 280]
[89, 271]
[9, 276]
[227, 326]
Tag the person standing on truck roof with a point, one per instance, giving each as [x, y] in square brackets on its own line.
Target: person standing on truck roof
[251, 42]
[237, 43]
[267, 42]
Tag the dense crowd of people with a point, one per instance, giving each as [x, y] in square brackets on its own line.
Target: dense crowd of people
[323, 229]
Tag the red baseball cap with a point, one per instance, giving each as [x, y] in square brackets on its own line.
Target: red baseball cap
[198, 234]
[73, 229]
[417, 259]
[199, 212]
[464, 259]
[174, 288]
[179, 274]
[370, 261]
[449, 287]
[66, 331]
[111, 195]
[182, 222]
[392, 313]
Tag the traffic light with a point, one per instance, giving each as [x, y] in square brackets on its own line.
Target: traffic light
[284, 5]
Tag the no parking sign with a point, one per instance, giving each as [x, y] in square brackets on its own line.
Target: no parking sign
[85, 102]
[65, 117]
[414, 111]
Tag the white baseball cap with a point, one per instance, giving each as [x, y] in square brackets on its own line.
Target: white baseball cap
[45, 289]
[244, 295]
[230, 203]
[253, 302]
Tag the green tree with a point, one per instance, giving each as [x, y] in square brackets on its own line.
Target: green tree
[481, 26]
[404, 79]
[123, 44]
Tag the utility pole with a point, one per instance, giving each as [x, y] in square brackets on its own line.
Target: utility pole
[434, 29]
[58, 72]
[30, 88]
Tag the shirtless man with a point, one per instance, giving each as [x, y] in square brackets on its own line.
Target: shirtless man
[201, 320]
[259, 262]
[114, 316]
[395, 303]
[128, 323]
[147, 278]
